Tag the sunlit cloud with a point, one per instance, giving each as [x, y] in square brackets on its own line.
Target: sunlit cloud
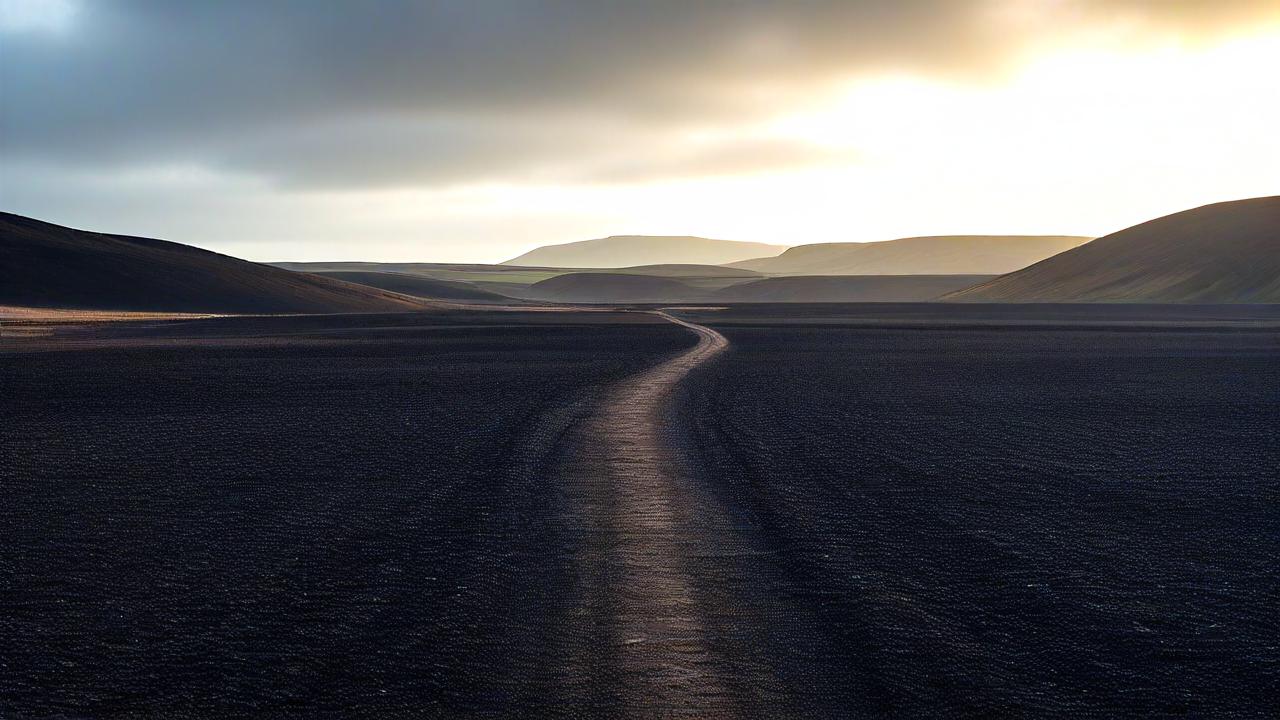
[471, 132]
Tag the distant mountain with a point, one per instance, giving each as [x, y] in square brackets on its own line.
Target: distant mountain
[940, 255]
[620, 251]
[611, 288]
[1223, 253]
[50, 266]
[419, 286]
[848, 288]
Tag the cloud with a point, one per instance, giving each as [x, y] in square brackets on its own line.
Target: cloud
[315, 94]
[404, 91]
[736, 157]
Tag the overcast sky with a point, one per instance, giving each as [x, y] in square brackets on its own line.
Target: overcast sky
[476, 129]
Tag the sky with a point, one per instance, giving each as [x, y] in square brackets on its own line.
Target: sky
[473, 130]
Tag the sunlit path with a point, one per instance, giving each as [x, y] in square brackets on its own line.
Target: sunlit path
[645, 622]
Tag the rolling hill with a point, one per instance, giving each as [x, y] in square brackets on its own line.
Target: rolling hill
[51, 266]
[512, 281]
[847, 288]
[620, 251]
[610, 288]
[1222, 253]
[419, 286]
[688, 270]
[939, 255]
[444, 271]
[597, 287]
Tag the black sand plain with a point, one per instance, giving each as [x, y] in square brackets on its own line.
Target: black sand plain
[1006, 511]
[831, 510]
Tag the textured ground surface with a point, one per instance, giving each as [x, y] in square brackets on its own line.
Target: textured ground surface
[979, 515]
[914, 511]
[292, 516]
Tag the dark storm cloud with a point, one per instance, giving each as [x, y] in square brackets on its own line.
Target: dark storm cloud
[432, 92]
[392, 87]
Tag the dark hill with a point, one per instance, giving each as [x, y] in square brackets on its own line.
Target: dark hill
[1223, 253]
[46, 265]
[848, 288]
[419, 286]
[678, 270]
[610, 288]
[940, 255]
[408, 268]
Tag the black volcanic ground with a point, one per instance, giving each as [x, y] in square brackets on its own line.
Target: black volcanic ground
[993, 512]
[294, 516]
[858, 510]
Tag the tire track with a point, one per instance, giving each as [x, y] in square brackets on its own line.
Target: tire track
[649, 628]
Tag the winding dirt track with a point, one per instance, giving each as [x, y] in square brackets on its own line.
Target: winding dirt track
[650, 625]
